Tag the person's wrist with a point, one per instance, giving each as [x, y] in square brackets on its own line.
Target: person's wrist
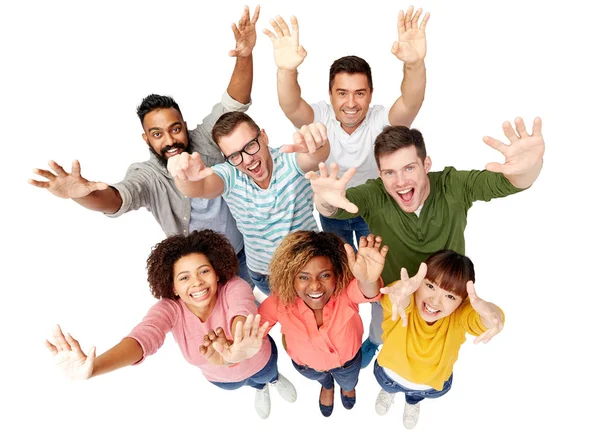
[286, 71]
[419, 64]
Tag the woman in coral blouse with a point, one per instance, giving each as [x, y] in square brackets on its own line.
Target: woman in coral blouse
[317, 283]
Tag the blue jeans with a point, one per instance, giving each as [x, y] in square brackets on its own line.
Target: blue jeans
[412, 396]
[243, 268]
[261, 281]
[348, 230]
[268, 374]
[346, 376]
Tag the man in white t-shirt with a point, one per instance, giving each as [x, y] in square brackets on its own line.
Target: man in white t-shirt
[352, 125]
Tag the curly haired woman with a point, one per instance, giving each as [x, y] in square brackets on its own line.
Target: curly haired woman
[211, 313]
[317, 283]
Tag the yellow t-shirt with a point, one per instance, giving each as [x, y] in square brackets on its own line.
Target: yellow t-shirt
[423, 353]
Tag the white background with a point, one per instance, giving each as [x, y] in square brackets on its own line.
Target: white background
[73, 74]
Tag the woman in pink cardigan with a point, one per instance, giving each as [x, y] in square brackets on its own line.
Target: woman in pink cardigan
[211, 313]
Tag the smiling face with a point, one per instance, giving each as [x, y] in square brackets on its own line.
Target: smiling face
[405, 178]
[350, 97]
[316, 282]
[165, 132]
[195, 281]
[434, 303]
[259, 166]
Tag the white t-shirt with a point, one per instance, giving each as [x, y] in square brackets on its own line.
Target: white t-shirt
[355, 150]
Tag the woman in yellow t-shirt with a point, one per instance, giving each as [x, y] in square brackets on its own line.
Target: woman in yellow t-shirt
[419, 352]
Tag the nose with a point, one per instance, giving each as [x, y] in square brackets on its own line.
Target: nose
[168, 139]
[351, 100]
[315, 285]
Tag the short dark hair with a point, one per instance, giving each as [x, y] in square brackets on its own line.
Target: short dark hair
[213, 245]
[394, 138]
[450, 271]
[294, 253]
[153, 102]
[350, 64]
[228, 122]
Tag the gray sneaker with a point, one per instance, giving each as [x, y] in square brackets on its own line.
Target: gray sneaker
[384, 402]
[285, 388]
[262, 402]
[411, 415]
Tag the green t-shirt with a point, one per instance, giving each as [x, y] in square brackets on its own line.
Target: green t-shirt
[442, 221]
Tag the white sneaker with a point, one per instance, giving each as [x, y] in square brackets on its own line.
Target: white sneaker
[262, 402]
[285, 388]
[384, 402]
[411, 415]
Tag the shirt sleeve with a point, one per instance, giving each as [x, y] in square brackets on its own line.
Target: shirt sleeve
[227, 173]
[151, 332]
[268, 312]
[321, 111]
[135, 190]
[238, 299]
[380, 117]
[357, 296]
[201, 136]
[479, 185]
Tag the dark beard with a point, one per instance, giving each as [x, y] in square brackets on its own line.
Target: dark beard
[161, 156]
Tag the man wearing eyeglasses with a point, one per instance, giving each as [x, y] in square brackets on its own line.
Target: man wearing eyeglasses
[264, 187]
[148, 184]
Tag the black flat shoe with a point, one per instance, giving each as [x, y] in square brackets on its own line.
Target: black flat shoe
[348, 402]
[325, 410]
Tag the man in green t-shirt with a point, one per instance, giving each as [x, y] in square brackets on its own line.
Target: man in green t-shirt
[418, 212]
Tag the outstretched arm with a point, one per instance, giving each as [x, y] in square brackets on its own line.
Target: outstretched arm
[523, 156]
[78, 366]
[92, 195]
[192, 178]
[330, 191]
[400, 292]
[240, 85]
[491, 316]
[410, 48]
[367, 264]
[289, 54]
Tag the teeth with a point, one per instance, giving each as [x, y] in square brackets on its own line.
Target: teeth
[404, 191]
[430, 310]
[199, 293]
[316, 295]
[173, 150]
[253, 167]
[350, 112]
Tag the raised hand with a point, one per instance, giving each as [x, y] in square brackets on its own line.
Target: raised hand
[288, 52]
[490, 314]
[69, 357]
[401, 290]
[331, 189]
[247, 340]
[66, 185]
[245, 33]
[207, 349]
[411, 46]
[308, 139]
[523, 155]
[186, 167]
[367, 264]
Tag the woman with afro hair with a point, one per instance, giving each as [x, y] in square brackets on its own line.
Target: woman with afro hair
[210, 312]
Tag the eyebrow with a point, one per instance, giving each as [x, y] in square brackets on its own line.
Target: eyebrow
[169, 127]
[320, 272]
[404, 166]
[339, 89]
[183, 272]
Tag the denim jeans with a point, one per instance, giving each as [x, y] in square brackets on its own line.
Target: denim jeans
[412, 396]
[243, 269]
[268, 374]
[348, 230]
[346, 376]
[261, 281]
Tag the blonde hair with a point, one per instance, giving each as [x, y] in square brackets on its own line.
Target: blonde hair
[294, 253]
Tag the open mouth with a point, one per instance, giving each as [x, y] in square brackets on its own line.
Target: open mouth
[406, 195]
[430, 311]
[255, 168]
[199, 294]
[315, 295]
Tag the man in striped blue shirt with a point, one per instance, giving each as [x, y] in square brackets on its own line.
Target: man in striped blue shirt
[264, 187]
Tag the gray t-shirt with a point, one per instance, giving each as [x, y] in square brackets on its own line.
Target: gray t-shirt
[148, 184]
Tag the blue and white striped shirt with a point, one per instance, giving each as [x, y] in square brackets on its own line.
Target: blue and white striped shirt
[265, 217]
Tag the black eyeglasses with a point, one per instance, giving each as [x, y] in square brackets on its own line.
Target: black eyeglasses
[250, 149]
